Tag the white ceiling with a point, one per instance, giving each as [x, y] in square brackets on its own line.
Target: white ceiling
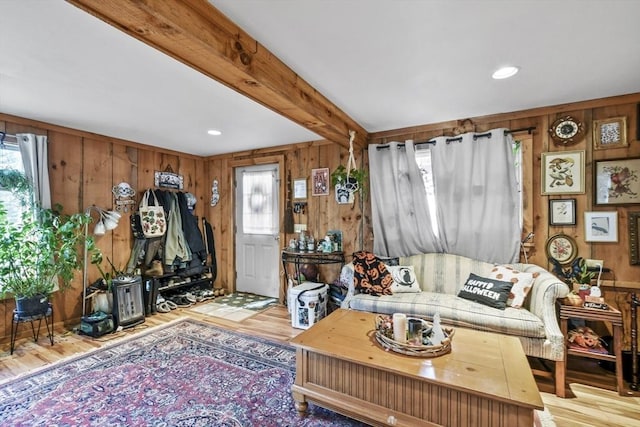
[386, 63]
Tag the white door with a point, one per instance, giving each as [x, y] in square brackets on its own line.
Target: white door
[257, 230]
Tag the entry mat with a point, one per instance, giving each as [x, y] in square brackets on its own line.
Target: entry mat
[237, 306]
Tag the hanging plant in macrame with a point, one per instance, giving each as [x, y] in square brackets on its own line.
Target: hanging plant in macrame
[348, 180]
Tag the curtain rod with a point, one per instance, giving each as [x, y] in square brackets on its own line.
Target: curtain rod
[529, 130]
[4, 135]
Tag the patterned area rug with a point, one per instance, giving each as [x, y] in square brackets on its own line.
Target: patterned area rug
[237, 306]
[186, 373]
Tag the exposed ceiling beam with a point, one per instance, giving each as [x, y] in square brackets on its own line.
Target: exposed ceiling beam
[201, 37]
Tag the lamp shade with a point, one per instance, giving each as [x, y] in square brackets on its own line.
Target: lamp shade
[100, 228]
[109, 224]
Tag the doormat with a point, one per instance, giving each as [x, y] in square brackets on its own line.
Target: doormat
[183, 373]
[237, 306]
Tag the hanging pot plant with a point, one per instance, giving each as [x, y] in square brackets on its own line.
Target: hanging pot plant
[344, 185]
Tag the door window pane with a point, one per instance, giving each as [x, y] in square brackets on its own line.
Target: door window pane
[258, 202]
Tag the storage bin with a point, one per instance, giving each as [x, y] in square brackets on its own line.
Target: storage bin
[308, 303]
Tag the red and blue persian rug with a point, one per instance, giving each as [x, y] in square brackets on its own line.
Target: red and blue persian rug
[186, 373]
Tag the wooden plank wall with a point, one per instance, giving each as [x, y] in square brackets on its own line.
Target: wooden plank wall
[322, 212]
[83, 169]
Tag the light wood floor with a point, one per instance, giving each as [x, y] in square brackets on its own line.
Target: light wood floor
[591, 406]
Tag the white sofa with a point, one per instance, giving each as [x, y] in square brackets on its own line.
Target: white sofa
[441, 276]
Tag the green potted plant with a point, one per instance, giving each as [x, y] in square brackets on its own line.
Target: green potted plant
[356, 181]
[39, 252]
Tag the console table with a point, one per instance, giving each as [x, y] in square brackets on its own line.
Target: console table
[299, 258]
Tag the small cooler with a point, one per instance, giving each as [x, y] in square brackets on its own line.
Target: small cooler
[308, 304]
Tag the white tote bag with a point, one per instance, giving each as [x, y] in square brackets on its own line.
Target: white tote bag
[152, 218]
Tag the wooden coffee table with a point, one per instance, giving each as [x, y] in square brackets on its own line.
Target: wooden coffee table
[485, 380]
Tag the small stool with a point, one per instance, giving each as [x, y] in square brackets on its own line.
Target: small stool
[19, 317]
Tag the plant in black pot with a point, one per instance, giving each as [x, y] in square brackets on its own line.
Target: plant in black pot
[39, 253]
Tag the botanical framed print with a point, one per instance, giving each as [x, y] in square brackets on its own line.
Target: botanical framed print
[610, 133]
[562, 248]
[300, 188]
[563, 172]
[562, 212]
[601, 226]
[616, 181]
[634, 242]
[320, 182]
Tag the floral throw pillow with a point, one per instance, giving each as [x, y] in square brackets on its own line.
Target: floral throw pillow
[522, 283]
[370, 275]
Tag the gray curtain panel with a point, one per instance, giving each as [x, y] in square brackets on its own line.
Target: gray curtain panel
[33, 149]
[400, 213]
[476, 197]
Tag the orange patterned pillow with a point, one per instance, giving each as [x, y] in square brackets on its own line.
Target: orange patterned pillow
[522, 283]
[370, 275]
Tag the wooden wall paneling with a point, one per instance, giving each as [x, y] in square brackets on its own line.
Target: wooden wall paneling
[227, 212]
[201, 189]
[125, 169]
[301, 168]
[216, 169]
[366, 241]
[65, 176]
[97, 178]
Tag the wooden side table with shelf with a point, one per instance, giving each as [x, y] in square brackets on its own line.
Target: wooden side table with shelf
[611, 315]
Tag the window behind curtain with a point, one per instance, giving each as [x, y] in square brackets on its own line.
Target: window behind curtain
[423, 159]
[10, 158]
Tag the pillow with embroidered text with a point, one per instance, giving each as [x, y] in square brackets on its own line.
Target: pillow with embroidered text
[522, 283]
[483, 290]
[404, 279]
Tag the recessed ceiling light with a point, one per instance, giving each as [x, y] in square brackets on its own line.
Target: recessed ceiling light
[505, 72]
[214, 132]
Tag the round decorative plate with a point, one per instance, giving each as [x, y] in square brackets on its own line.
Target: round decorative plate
[566, 130]
[562, 248]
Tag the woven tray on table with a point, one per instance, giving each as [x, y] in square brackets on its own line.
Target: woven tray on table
[384, 336]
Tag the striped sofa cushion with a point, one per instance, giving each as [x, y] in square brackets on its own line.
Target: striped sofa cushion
[454, 311]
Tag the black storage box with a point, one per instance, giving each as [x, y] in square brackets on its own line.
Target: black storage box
[96, 324]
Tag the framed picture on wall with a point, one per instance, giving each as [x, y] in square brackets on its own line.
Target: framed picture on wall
[616, 182]
[320, 182]
[562, 212]
[300, 188]
[601, 226]
[563, 172]
[634, 241]
[610, 133]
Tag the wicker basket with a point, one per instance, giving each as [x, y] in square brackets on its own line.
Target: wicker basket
[384, 336]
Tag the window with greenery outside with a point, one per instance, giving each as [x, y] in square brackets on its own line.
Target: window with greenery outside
[42, 251]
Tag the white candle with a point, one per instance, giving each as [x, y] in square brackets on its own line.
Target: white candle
[400, 327]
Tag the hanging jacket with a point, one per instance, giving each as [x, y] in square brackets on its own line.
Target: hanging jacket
[176, 249]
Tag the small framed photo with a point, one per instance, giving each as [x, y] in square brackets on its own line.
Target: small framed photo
[616, 181]
[562, 212]
[610, 133]
[320, 182]
[563, 172]
[601, 226]
[300, 188]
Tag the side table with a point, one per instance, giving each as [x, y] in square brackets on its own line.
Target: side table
[611, 315]
[19, 317]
